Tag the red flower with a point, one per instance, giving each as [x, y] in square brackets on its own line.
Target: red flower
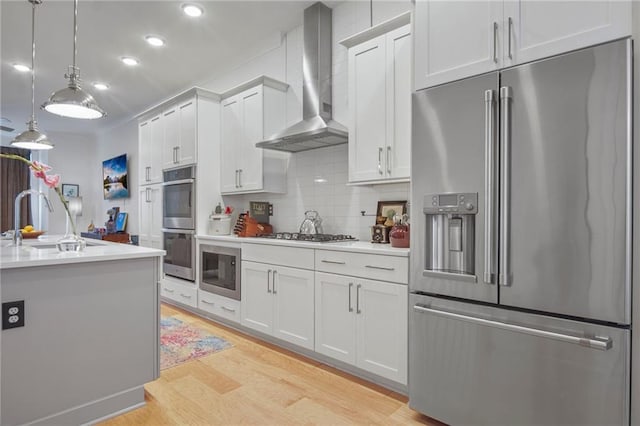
[51, 181]
[38, 166]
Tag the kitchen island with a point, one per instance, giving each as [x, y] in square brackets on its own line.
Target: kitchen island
[90, 339]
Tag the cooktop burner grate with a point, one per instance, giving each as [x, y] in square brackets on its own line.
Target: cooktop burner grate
[316, 238]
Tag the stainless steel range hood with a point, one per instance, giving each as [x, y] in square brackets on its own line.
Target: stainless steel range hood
[317, 129]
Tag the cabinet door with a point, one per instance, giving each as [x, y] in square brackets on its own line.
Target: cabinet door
[368, 105]
[250, 162]
[186, 152]
[456, 39]
[544, 28]
[293, 309]
[398, 150]
[381, 328]
[335, 316]
[170, 119]
[144, 146]
[230, 144]
[257, 296]
[155, 149]
[144, 220]
[155, 207]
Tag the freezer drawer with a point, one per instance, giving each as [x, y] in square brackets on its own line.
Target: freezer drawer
[471, 364]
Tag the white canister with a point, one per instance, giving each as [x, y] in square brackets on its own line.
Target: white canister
[219, 224]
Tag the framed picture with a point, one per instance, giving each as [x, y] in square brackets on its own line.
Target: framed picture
[70, 190]
[388, 209]
[115, 181]
[121, 222]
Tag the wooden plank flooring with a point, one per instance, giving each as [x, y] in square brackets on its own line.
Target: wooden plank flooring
[258, 383]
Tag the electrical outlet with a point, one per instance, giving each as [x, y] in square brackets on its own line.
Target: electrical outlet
[13, 314]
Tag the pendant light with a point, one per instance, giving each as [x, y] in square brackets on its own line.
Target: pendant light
[32, 138]
[72, 101]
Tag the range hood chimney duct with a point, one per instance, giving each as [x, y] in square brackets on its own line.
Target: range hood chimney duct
[317, 129]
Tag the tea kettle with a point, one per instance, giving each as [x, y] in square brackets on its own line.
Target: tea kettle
[312, 223]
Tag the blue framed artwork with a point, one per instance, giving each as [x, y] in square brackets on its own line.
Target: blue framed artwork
[115, 178]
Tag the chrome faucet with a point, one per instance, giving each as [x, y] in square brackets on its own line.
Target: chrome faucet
[17, 235]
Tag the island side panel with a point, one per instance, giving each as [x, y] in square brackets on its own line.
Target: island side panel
[91, 336]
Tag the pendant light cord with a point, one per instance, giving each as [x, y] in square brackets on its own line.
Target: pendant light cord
[75, 33]
[33, 61]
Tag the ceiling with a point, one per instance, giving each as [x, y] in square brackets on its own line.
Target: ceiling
[197, 49]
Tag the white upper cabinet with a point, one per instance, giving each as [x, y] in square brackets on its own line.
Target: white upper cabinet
[180, 134]
[380, 102]
[250, 113]
[150, 141]
[536, 29]
[458, 39]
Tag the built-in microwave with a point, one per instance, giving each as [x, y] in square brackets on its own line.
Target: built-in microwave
[220, 270]
[179, 204]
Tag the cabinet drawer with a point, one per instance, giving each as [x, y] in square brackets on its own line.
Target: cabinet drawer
[293, 257]
[375, 267]
[184, 293]
[219, 305]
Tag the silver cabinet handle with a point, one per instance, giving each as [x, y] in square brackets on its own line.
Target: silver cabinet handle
[147, 195]
[495, 42]
[224, 308]
[510, 27]
[186, 296]
[358, 299]
[335, 262]
[602, 343]
[240, 178]
[384, 268]
[168, 290]
[506, 95]
[490, 208]
[380, 160]
[175, 154]
[389, 160]
[236, 178]
[207, 302]
[147, 173]
[350, 287]
[268, 279]
[273, 283]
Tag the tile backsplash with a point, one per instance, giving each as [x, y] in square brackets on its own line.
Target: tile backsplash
[317, 180]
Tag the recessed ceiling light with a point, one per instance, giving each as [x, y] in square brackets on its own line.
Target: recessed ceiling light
[127, 60]
[100, 86]
[154, 40]
[192, 10]
[21, 68]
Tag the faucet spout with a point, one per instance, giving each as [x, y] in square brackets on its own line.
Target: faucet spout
[17, 235]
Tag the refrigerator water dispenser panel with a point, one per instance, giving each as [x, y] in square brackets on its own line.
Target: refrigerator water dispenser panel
[450, 228]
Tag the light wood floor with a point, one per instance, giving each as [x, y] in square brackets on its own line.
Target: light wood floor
[258, 383]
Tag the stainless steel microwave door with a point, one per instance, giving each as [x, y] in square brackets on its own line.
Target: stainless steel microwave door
[567, 235]
[453, 126]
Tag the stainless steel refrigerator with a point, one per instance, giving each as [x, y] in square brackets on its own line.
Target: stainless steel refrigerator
[520, 286]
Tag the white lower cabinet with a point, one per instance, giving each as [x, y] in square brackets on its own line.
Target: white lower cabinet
[219, 305]
[362, 322]
[278, 301]
[185, 293]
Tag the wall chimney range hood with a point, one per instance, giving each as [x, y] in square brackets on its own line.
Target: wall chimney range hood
[317, 129]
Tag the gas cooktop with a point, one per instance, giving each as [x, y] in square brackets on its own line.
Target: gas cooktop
[316, 238]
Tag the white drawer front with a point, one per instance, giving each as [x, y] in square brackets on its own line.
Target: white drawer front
[219, 305]
[183, 293]
[375, 267]
[293, 257]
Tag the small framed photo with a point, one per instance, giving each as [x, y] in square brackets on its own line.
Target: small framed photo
[388, 209]
[70, 190]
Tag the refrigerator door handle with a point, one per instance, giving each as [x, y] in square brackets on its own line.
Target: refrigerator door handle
[490, 209]
[602, 343]
[506, 95]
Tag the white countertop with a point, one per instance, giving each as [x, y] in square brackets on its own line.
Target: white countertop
[29, 255]
[348, 246]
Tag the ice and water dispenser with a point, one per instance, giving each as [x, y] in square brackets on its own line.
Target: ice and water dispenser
[450, 228]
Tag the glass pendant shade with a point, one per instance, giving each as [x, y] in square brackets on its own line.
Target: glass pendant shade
[32, 138]
[73, 101]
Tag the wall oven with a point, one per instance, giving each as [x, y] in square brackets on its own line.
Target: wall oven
[179, 222]
[179, 205]
[220, 270]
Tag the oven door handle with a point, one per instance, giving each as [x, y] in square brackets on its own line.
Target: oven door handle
[178, 182]
[179, 231]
